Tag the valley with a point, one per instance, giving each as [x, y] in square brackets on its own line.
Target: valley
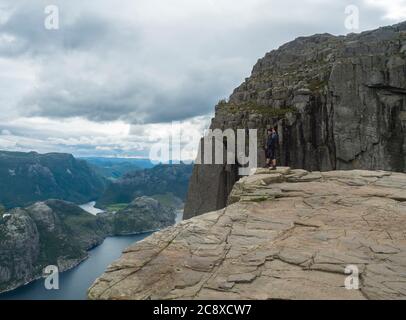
[321, 213]
[36, 232]
[75, 282]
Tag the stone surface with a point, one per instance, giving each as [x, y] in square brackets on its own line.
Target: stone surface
[339, 103]
[289, 237]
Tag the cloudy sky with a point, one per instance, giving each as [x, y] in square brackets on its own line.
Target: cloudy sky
[116, 74]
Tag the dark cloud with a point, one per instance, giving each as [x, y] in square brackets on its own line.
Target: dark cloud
[149, 61]
[83, 31]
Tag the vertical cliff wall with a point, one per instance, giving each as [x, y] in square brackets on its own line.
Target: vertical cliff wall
[339, 102]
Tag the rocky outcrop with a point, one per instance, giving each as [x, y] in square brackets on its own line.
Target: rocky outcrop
[60, 233]
[209, 187]
[142, 215]
[339, 103]
[19, 249]
[47, 233]
[285, 235]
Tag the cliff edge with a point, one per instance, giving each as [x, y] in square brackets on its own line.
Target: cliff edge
[339, 103]
[288, 234]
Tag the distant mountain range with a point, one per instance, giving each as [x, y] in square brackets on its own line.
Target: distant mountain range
[26, 178]
[114, 168]
[29, 177]
[162, 179]
[41, 224]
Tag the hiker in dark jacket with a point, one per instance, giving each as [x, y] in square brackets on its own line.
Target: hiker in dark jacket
[271, 148]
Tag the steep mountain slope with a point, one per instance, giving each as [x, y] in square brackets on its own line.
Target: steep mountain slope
[339, 102]
[289, 234]
[47, 233]
[161, 179]
[141, 215]
[29, 177]
[59, 233]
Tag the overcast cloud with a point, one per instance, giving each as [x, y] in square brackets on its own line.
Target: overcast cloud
[116, 73]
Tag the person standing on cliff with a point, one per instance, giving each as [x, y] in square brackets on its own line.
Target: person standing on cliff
[271, 147]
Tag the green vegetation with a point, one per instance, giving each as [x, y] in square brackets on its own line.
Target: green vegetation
[258, 109]
[112, 208]
[143, 214]
[52, 248]
[222, 102]
[115, 168]
[316, 85]
[26, 178]
[256, 199]
[159, 180]
[272, 112]
[168, 200]
[2, 209]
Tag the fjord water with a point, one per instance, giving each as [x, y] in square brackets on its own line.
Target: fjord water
[73, 284]
[90, 207]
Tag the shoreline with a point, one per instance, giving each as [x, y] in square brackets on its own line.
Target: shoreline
[74, 264]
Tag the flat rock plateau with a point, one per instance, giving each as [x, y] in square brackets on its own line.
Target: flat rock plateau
[285, 234]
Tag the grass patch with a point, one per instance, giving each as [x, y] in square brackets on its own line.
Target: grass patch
[167, 200]
[254, 108]
[261, 199]
[112, 208]
[255, 199]
[316, 85]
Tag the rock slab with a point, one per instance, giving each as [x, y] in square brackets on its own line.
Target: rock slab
[288, 234]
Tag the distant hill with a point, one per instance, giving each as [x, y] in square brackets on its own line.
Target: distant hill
[56, 232]
[160, 180]
[29, 177]
[114, 168]
[47, 233]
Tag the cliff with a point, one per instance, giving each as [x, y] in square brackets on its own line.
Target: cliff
[339, 103]
[47, 233]
[59, 233]
[143, 214]
[288, 234]
[26, 178]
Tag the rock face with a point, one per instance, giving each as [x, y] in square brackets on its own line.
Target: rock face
[60, 233]
[19, 249]
[209, 187]
[142, 215]
[289, 234]
[47, 233]
[339, 103]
